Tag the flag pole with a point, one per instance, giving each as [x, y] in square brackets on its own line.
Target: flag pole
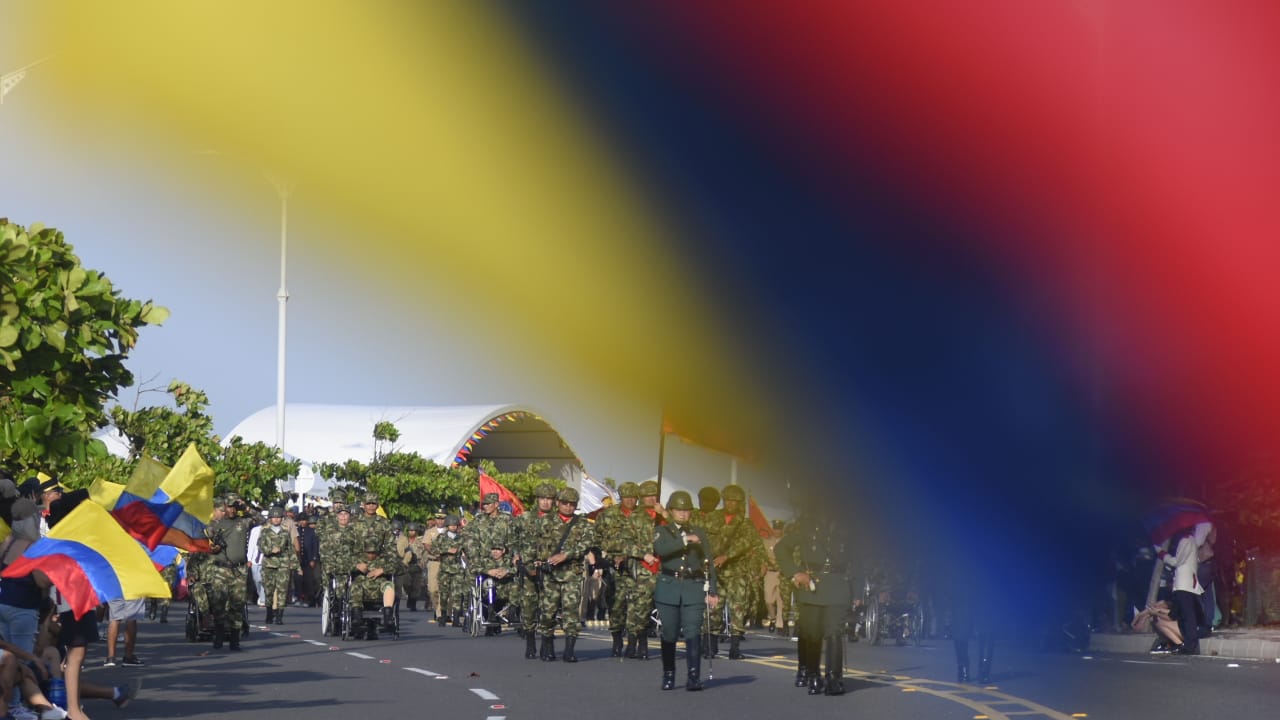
[662, 450]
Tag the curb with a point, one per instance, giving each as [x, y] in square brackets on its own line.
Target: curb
[1239, 648]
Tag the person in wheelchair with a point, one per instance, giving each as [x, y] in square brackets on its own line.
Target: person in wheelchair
[373, 583]
[497, 580]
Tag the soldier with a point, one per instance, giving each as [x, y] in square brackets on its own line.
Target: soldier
[491, 528]
[199, 573]
[777, 594]
[626, 537]
[815, 556]
[435, 526]
[738, 564]
[448, 545]
[278, 564]
[709, 517]
[413, 554]
[335, 547]
[527, 591]
[686, 588]
[374, 580]
[499, 570]
[563, 539]
[229, 573]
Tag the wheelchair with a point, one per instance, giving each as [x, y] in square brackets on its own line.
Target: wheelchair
[486, 612]
[364, 622]
[199, 626]
[887, 614]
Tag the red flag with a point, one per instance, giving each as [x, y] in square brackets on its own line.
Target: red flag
[489, 485]
[757, 518]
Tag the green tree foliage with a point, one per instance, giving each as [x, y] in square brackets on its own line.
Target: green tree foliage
[65, 333]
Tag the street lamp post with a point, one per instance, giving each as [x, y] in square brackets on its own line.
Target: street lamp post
[10, 80]
[283, 190]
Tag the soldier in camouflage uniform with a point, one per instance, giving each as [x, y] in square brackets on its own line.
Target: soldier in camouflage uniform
[198, 572]
[377, 582]
[710, 518]
[491, 528]
[563, 539]
[739, 565]
[336, 557]
[526, 593]
[499, 570]
[278, 564]
[435, 527]
[625, 534]
[448, 545]
[228, 573]
[413, 553]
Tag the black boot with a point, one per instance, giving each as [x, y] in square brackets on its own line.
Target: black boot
[234, 636]
[715, 645]
[271, 615]
[413, 606]
[801, 657]
[218, 633]
[985, 651]
[164, 613]
[548, 651]
[962, 661]
[693, 658]
[569, 657]
[735, 650]
[280, 616]
[668, 665]
[530, 645]
[617, 644]
[631, 647]
[814, 681]
[642, 647]
[389, 618]
[835, 665]
[800, 678]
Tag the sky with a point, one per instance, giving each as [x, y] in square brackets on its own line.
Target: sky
[993, 271]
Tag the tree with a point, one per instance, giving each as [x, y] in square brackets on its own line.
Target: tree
[65, 333]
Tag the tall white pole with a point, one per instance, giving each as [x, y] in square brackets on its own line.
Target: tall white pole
[282, 296]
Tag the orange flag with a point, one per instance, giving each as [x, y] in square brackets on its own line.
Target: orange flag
[505, 496]
[758, 519]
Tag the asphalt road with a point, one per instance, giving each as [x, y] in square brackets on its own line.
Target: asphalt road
[439, 672]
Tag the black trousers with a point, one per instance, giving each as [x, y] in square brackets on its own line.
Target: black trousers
[1187, 605]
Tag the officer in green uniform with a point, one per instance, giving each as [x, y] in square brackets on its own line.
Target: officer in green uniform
[815, 557]
[278, 563]
[228, 574]
[686, 588]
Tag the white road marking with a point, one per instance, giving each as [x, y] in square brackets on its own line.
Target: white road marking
[420, 671]
[484, 694]
[317, 642]
[362, 656]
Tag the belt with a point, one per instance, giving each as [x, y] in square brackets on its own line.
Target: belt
[690, 575]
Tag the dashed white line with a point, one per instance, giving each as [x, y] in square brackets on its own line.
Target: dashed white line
[496, 717]
[362, 656]
[420, 671]
[484, 694]
[317, 642]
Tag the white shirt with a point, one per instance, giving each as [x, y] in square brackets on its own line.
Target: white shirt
[1185, 563]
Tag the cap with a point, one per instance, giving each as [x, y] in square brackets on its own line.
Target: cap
[629, 490]
[734, 492]
[490, 498]
[440, 516]
[48, 483]
[275, 512]
[568, 495]
[648, 487]
[341, 510]
[545, 490]
[372, 546]
[220, 502]
[680, 500]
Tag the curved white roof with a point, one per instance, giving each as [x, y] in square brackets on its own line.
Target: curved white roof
[337, 433]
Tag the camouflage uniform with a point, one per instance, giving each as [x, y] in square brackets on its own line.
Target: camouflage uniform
[736, 539]
[626, 536]
[228, 575]
[336, 553]
[451, 571]
[562, 584]
[373, 531]
[278, 564]
[488, 531]
[413, 553]
[527, 593]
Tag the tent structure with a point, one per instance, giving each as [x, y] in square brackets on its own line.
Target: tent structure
[511, 436]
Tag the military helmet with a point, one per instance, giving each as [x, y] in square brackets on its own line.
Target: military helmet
[276, 511]
[680, 500]
[220, 502]
[451, 520]
[568, 495]
[372, 546]
[629, 490]
[397, 524]
[491, 497]
[648, 487]
[371, 497]
[734, 492]
[545, 490]
[708, 497]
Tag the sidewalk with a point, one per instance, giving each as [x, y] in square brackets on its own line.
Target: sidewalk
[1251, 643]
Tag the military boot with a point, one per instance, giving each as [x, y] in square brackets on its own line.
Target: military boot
[548, 650]
[693, 658]
[280, 616]
[164, 613]
[962, 660]
[617, 644]
[413, 606]
[235, 639]
[218, 632]
[642, 647]
[835, 665]
[389, 618]
[569, 642]
[271, 616]
[735, 649]
[668, 665]
[631, 647]
[530, 645]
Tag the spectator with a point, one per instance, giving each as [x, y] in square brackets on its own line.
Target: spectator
[124, 613]
[1186, 588]
[255, 564]
[20, 597]
[1157, 618]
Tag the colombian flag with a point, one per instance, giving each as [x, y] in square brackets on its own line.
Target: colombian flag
[91, 560]
[177, 512]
